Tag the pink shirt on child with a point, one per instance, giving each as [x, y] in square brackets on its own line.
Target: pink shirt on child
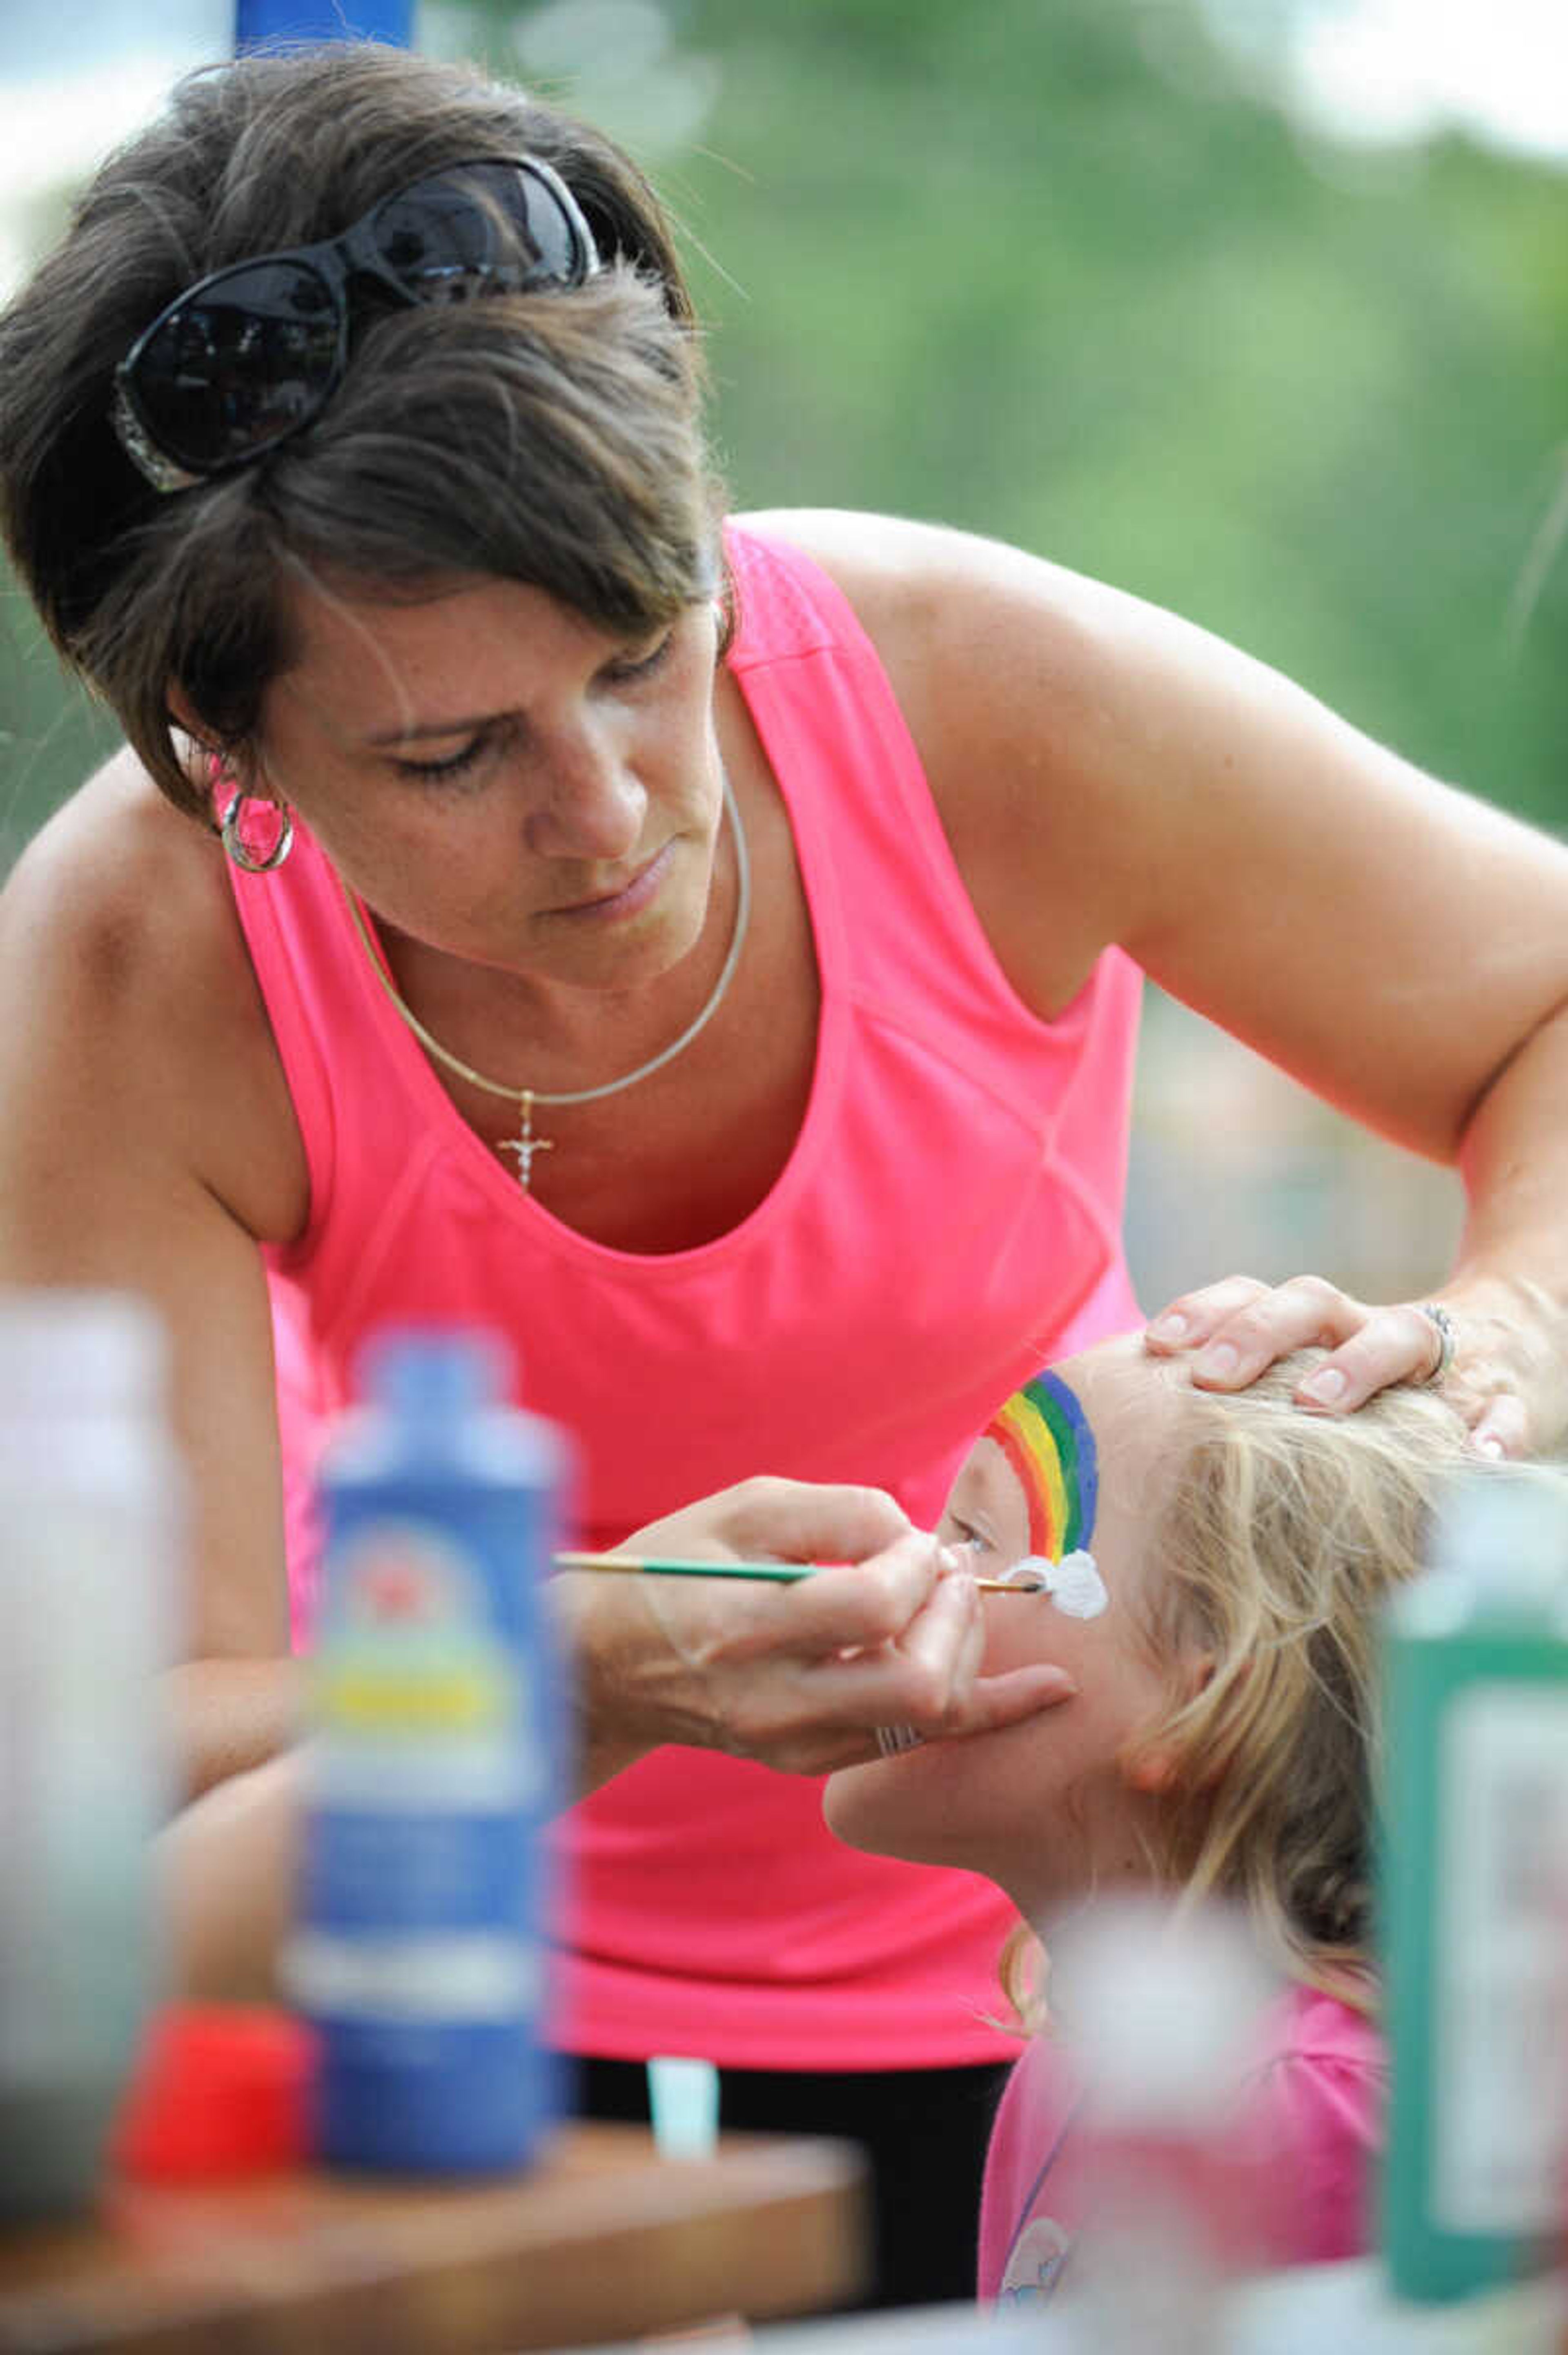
[1312, 2116]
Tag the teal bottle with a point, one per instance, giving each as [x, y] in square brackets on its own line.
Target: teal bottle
[1473, 1887]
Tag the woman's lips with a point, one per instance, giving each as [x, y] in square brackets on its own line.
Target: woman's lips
[630, 899]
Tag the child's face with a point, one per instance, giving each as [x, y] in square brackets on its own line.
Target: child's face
[1043, 1807]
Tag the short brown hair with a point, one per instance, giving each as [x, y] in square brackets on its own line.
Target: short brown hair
[550, 438]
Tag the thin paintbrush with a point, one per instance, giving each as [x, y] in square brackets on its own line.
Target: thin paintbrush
[778, 1573]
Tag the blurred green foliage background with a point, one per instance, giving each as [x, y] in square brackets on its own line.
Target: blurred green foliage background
[1055, 271]
[1064, 270]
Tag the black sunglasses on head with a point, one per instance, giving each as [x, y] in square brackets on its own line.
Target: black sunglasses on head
[248, 355]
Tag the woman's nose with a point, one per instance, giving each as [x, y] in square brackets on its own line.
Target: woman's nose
[591, 805]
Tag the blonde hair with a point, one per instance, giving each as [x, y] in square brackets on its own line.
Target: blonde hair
[1279, 1536]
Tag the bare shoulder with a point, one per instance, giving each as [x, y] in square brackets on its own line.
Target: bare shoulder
[123, 969]
[1004, 664]
[149, 1145]
[110, 882]
[927, 590]
[996, 651]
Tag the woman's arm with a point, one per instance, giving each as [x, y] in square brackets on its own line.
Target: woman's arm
[1107, 773]
[148, 1146]
[225, 1871]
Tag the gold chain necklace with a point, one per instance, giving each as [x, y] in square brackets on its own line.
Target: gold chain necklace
[526, 1144]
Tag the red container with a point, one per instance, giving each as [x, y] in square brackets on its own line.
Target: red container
[218, 2090]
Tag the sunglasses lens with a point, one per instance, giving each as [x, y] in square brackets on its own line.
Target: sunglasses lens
[240, 363]
[242, 360]
[450, 236]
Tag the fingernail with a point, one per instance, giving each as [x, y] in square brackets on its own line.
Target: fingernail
[1169, 1328]
[1220, 1360]
[1327, 1385]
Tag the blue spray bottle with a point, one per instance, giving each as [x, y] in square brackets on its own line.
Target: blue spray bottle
[434, 1769]
[1474, 1891]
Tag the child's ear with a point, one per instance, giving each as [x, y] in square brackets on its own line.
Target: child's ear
[1151, 1764]
[1151, 1772]
[1157, 1770]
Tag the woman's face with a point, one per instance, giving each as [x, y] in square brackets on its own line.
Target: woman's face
[502, 781]
[1044, 1806]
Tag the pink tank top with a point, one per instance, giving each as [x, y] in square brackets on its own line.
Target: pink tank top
[948, 1217]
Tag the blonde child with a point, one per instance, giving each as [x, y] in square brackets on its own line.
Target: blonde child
[1218, 1565]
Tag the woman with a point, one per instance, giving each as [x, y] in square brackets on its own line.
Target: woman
[710, 957]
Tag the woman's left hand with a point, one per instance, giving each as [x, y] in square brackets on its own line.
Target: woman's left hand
[1507, 1375]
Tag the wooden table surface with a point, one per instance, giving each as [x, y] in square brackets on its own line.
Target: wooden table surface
[603, 2239]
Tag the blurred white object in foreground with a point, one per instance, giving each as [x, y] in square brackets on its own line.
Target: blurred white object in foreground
[91, 1532]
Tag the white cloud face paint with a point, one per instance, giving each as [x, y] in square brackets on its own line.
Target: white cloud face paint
[1074, 1584]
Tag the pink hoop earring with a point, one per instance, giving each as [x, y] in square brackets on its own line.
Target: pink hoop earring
[239, 851]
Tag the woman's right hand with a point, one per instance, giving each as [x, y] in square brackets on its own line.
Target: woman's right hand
[799, 1677]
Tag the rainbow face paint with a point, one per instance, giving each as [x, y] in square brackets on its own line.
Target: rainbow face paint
[1044, 1433]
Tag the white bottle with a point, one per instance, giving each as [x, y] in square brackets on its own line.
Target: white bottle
[91, 1543]
[1165, 2007]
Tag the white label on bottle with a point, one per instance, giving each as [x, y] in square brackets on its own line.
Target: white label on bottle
[370, 1778]
[458, 1978]
[1500, 2053]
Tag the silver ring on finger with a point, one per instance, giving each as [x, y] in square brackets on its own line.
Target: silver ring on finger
[892, 1739]
[1447, 1334]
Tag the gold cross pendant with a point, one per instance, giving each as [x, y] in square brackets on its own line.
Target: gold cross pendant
[525, 1144]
